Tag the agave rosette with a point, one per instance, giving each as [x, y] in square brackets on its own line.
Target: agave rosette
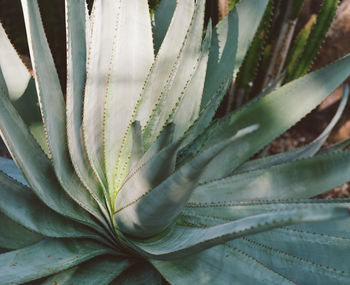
[126, 178]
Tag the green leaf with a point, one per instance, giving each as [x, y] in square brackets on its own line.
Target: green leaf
[45, 258]
[137, 150]
[76, 73]
[180, 240]
[300, 152]
[181, 76]
[297, 269]
[162, 19]
[104, 20]
[318, 248]
[228, 51]
[100, 270]
[165, 138]
[336, 147]
[211, 214]
[9, 167]
[274, 113]
[129, 68]
[188, 107]
[157, 198]
[222, 58]
[222, 264]
[22, 206]
[53, 110]
[297, 179]
[166, 58]
[13, 235]
[316, 38]
[139, 274]
[34, 164]
[18, 84]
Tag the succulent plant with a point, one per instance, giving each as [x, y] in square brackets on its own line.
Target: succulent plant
[127, 179]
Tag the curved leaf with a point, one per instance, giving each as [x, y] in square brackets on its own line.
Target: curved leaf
[180, 240]
[153, 204]
[52, 106]
[162, 19]
[9, 167]
[297, 269]
[297, 179]
[300, 152]
[22, 206]
[76, 73]
[100, 270]
[274, 113]
[13, 235]
[130, 65]
[139, 274]
[45, 258]
[104, 19]
[222, 264]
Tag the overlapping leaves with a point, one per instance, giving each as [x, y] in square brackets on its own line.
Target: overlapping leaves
[133, 178]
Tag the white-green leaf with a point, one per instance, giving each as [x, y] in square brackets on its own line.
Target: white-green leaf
[180, 77]
[162, 19]
[104, 19]
[131, 62]
[53, 109]
[76, 73]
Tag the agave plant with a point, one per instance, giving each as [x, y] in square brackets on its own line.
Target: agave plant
[126, 178]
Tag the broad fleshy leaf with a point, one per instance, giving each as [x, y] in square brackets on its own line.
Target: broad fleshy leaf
[181, 240]
[100, 270]
[130, 65]
[153, 204]
[297, 179]
[274, 113]
[14, 236]
[45, 258]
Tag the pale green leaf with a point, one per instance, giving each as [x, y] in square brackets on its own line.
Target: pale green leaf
[187, 110]
[131, 62]
[53, 110]
[161, 69]
[180, 77]
[104, 19]
[76, 73]
[162, 19]
[34, 164]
